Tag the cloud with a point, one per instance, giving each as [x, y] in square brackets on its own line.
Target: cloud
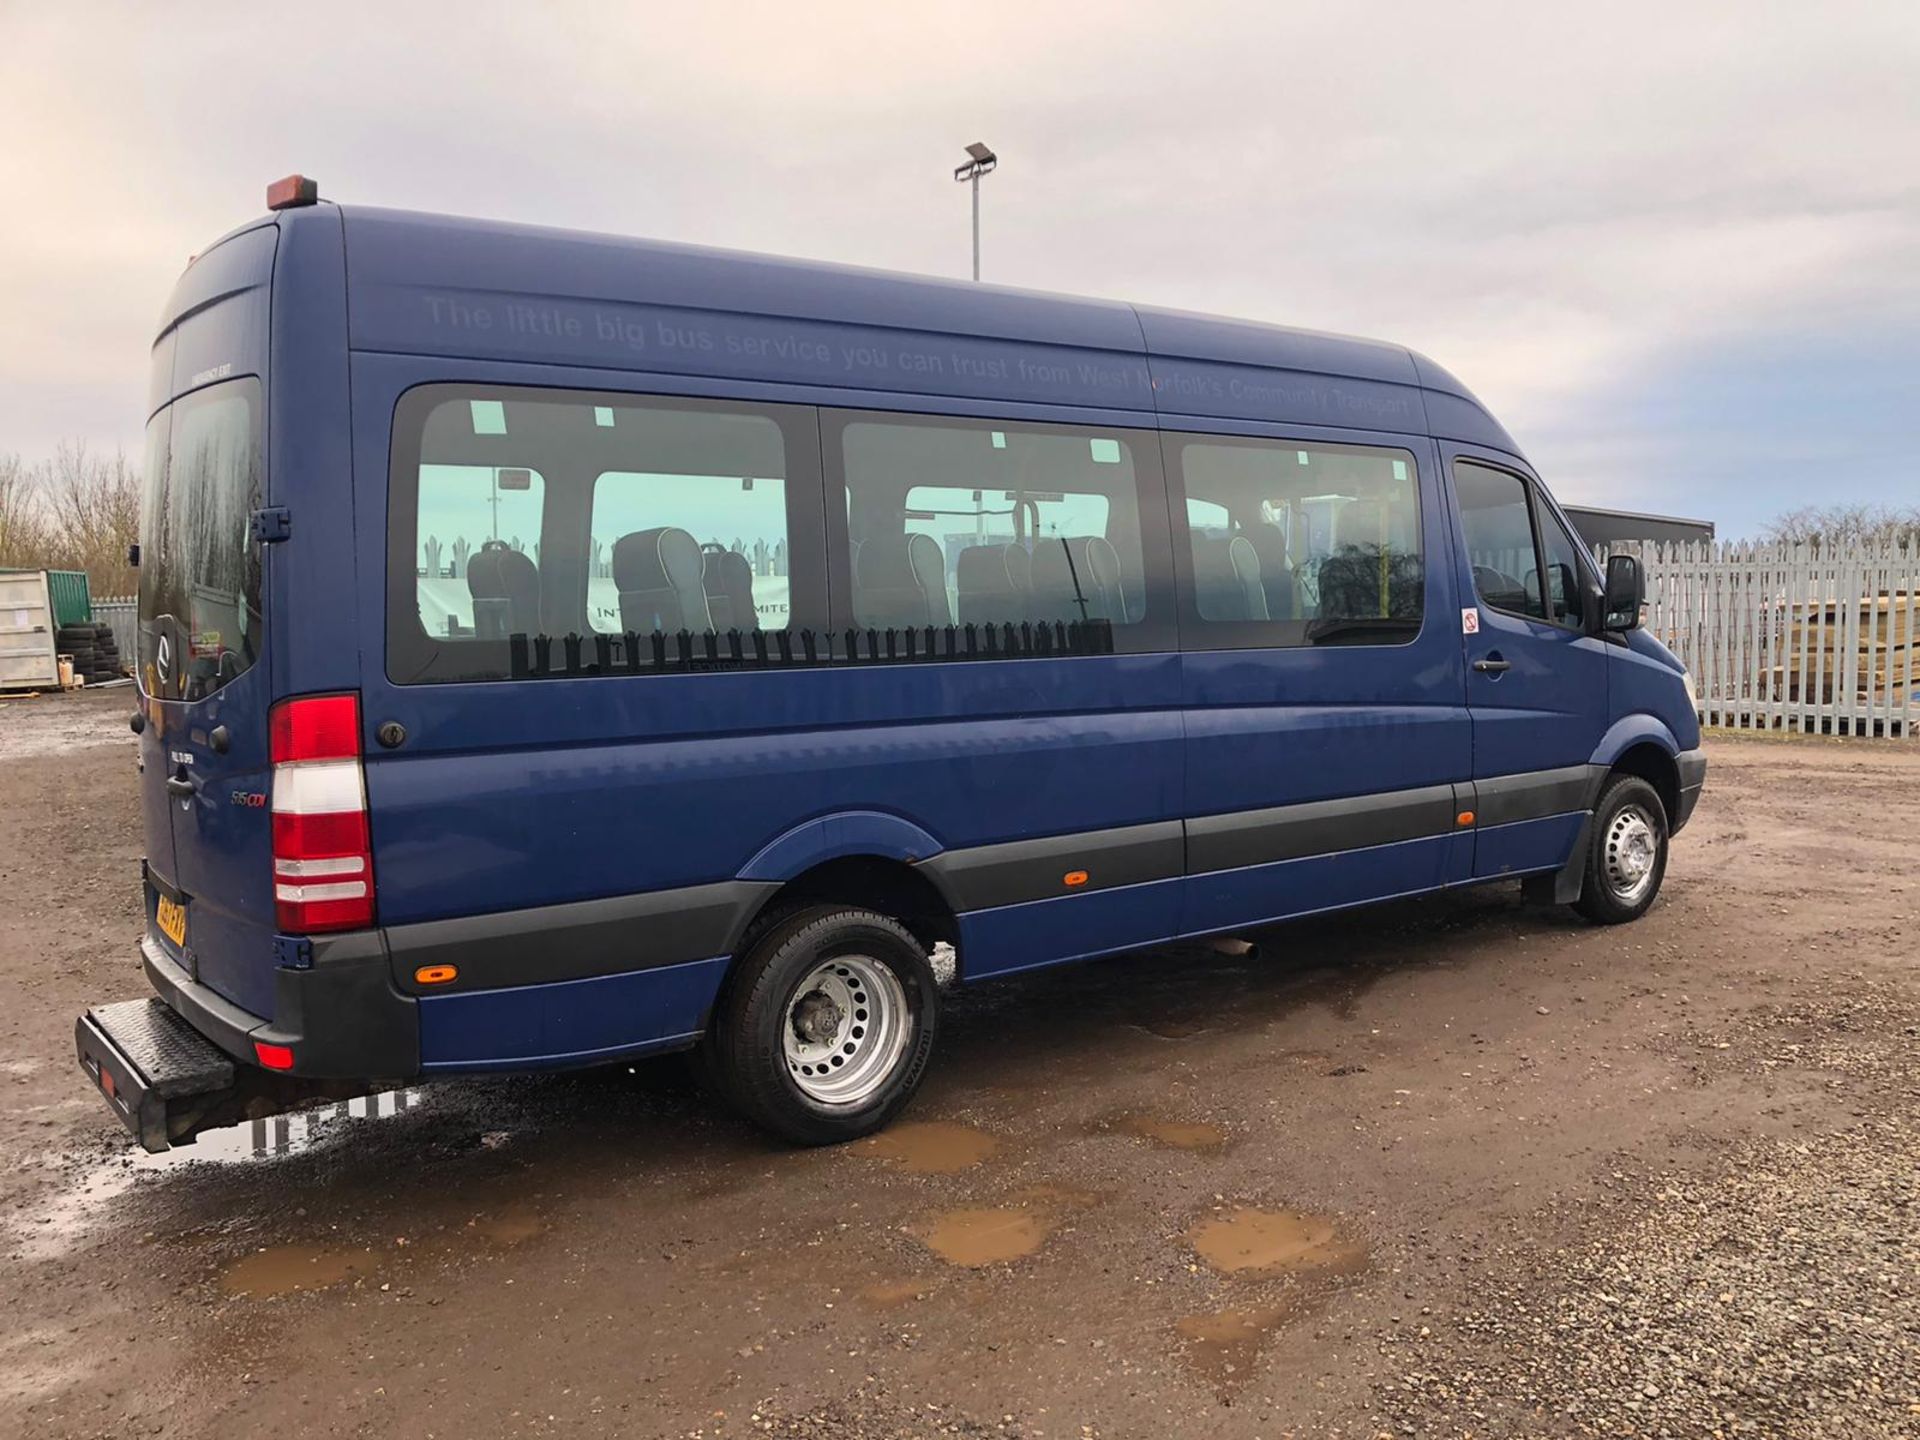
[1554, 205]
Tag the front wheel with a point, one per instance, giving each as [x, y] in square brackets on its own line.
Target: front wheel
[1626, 852]
[826, 1026]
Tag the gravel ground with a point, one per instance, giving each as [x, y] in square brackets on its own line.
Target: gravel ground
[1453, 1168]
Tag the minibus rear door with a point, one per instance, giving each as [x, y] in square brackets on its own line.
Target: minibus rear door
[210, 893]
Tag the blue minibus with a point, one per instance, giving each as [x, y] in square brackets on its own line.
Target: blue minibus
[557, 649]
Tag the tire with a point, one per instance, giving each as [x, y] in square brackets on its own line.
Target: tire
[869, 1024]
[1626, 853]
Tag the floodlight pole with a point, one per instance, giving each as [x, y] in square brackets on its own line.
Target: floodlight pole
[982, 162]
[976, 225]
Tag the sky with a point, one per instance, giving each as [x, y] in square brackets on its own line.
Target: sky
[1675, 247]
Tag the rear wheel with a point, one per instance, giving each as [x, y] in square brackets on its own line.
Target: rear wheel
[826, 1025]
[1626, 852]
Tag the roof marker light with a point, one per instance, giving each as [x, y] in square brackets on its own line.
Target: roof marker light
[291, 192]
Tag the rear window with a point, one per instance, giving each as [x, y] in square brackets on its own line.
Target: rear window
[199, 569]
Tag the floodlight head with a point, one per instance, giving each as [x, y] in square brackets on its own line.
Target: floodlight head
[980, 162]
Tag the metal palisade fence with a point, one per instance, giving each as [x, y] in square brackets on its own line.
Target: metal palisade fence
[119, 611]
[1820, 640]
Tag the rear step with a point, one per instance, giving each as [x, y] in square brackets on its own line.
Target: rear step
[167, 1082]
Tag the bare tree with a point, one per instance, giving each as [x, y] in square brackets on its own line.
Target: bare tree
[95, 509]
[1831, 526]
[25, 537]
[77, 511]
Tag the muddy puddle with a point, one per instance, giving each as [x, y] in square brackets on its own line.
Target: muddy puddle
[287, 1269]
[931, 1147]
[1175, 1134]
[1275, 1241]
[1225, 1346]
[513, 1226]
[979, 1237]
[976, 1237]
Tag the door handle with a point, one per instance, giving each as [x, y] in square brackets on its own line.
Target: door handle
[1493, 665]
[179, 785]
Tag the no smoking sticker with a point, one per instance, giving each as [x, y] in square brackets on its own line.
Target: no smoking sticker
[1470, 621]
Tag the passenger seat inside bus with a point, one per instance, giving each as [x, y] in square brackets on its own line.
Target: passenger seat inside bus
[660, 576]
[900, 582]
[728, 580]
[505, 586]
[1088, 561]
[995, 584]
[1269, 542]
[1226, 578]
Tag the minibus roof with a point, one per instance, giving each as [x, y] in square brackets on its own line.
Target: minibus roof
[441, 285]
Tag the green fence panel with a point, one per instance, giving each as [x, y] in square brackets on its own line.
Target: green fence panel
[68, 594]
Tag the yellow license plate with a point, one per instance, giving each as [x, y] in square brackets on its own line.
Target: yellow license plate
[171, 917]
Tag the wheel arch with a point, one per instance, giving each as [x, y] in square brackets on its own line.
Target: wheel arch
[1658, 768]
[1643, 745]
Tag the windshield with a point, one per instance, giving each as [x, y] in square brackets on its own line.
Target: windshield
[199, 571]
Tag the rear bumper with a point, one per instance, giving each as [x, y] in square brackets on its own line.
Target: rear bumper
[167, 1081]
[339, 1014]
[1693, 775]
[156, 1072]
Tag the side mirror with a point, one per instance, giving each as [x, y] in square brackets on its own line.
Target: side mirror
[1626, 592]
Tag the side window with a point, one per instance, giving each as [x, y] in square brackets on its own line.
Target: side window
[962, 523]
[1292, 544]
[1566, 591]
[1498, 525]
[545, 532]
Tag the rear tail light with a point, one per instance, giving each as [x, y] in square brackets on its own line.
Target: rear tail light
[322, 854]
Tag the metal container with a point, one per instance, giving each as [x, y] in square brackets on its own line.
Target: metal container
[27, 657]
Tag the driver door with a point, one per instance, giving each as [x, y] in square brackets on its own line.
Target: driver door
[1536, 677]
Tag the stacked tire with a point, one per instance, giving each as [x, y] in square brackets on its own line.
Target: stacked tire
[96, 656]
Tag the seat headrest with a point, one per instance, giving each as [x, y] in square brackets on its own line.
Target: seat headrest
[888, 561]
[665, 557]
[993, 567]
[903, 577]
[1088, 559]
[499, 572]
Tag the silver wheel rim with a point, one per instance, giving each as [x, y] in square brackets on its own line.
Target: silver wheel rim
[844, 1029]
[1632, 853]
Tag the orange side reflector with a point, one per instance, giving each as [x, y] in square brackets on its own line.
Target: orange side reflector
[434, 974]
[1074, 877]
[1465, 817]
